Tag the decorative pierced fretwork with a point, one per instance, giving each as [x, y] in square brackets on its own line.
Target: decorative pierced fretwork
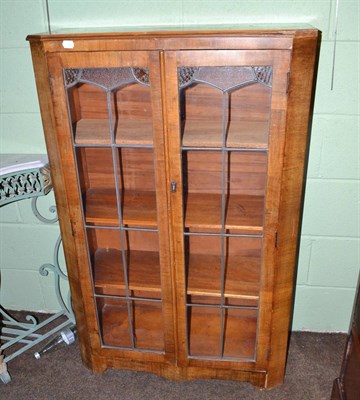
[186, 75]
[72, 76]
[107, 78]
[141, 75]
[225, 79]
[264, 74]
[25, 184]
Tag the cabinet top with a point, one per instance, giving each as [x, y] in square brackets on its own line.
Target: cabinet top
[176, 30]
[226, 37]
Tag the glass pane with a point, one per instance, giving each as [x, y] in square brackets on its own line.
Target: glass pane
[148, 325]
[137, 187]
[224, 119]
[144, 331]
[233, 278]
[110, 105]
[111, 115]
[222, 333]
[140, 277]
[88, 106]
[136, 184]
[133, 115]
[97, 184]
[225, 106]
[234, 198]
[106, 261]
[239, 333]
[113, 315]
[204, 331]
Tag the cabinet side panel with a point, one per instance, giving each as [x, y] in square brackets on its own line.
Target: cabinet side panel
[53, 148]
[302, 75]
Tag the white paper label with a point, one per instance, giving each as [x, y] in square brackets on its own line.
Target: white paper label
[68, 44]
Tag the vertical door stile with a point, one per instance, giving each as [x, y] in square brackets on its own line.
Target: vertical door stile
[176, 204]
[281, 62]
[68, 200]
[157, 75]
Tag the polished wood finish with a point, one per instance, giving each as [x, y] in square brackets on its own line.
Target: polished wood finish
[300, 100]
[152, 300]
[63, 202]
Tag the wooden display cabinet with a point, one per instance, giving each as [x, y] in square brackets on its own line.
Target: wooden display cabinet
[178, 160]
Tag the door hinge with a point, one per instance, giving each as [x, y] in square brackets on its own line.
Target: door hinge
[276, 240]
[287, 82]
[173, 186]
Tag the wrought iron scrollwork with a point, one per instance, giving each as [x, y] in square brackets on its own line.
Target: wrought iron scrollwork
[17, 186]
[59, 275]
[27, 333]
[40, 216]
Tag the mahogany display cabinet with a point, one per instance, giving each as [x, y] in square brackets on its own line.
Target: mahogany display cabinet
[177, 160]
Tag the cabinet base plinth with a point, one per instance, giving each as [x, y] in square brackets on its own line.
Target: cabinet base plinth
[177, 373]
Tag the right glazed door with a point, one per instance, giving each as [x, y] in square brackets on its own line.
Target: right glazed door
[226, 129]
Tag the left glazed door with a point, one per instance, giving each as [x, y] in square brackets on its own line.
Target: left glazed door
[110, 134]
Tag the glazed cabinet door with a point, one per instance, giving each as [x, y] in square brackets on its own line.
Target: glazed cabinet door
[226, 125]
[111, 134]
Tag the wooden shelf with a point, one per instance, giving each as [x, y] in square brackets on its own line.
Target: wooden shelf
[208, 133]
[139, 208]
[147, 324]
[242, 279]
[137, 132]
[203, 210]
[128, 131]
[92, 131]
[244, 212]
[239, 332]
[143, 271]
[196, 133]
